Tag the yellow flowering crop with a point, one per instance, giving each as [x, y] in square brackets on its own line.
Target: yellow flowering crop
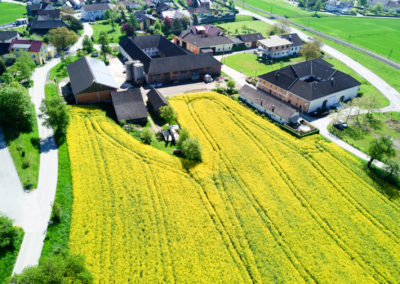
[263, 206]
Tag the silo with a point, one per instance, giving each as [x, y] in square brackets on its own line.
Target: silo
[137, 71]
[128, 67]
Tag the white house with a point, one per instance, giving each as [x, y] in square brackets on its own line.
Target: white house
[94, 12]
[280, 46]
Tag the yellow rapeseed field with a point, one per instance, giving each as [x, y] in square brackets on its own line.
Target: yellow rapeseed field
[263, 206]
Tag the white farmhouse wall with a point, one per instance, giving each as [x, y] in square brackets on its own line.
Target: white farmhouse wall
[223, 47]
[272, 115]
[333, 98]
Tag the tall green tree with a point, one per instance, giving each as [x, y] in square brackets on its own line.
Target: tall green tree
[3, 67]
[16, 108]
[103, 39]
[310, 50]
[7, 233]
[167, 113]
[133, 21]
[176, 27]
[55, 114]
[380, 149]
[87, 44]
[62, 37]
[191, 149]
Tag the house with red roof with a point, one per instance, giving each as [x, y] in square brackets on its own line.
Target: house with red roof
[38, 50]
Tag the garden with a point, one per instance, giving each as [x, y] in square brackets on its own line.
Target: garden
[261, 205]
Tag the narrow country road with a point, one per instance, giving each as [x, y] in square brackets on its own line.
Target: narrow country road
[14, 2]
[32, 210]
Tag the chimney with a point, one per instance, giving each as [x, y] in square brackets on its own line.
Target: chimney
[273, 108]
[261, 102]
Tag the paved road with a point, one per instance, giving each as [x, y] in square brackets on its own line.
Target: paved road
[14, 2]
[374, 55]
[34, 208]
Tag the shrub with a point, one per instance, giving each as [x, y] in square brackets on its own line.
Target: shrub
[7, 233]
[167, 113]
[57, 213]
[191, 149]
[183, 135]
[147, 136]
[25, 164]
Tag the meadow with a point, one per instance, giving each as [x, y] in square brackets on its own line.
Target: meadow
[10, 12]
[378, 35]
[262, 206]
[245, 27]
[114, 36]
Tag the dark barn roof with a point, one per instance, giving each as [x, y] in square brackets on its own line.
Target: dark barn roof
[4, 47]
[51, 13]
[46, 25]
[294, 38]
[172, 57]
[311, 79]
[251, 37]
[7, 35]
[156, 99]
[129, 105]
[87, 71]
[267, 101]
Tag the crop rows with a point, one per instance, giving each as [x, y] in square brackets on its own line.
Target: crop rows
[262, 206]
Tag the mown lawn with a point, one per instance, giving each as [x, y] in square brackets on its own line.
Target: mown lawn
[10, 12]
[24, 148]
[8, 257]
[114, 36]
[245, 27]
[382, 124]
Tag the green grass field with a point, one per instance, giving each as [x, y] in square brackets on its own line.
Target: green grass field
[10, 12]
[245, 27]
[248, 64]
[114, 36]
[8, 257]
[384, 124]
[29, 144]
[378, 35]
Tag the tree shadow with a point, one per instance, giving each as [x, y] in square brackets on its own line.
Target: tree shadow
[188, 164]
[387, 184]
[47, 144]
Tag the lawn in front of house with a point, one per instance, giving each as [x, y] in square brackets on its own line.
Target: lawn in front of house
[114, 36]
[59, 71]
[381, 124]
[24, 148]
[245, 27]
[11, 12]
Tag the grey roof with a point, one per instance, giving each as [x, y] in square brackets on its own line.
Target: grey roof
[267, 101]
[311, 79]
[294, 38]
[251, 37]
[156, 99]
[200, 10]
[96, 7]
[51, 13]
[7, 35]
[172, 57]
[236, 40]
[129, 105]
[46, 25]
[87, 71]
[204, 41]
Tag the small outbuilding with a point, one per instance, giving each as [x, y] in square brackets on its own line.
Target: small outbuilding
[155, 101]
[129, 106]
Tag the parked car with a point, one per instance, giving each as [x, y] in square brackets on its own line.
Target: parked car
[340, 125]
[95, 54]
[208, 78]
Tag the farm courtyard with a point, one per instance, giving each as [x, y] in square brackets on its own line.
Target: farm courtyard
[261, 206]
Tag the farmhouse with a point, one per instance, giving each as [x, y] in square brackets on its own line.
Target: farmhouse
[155, 100]
[160, 61]
[129, 106]
[342, 7]
[204, 39]
[90, 80]
[144, 20]
[94, 12]
[38, 50]
[280, 46]
[271, 106]
[130, 4]
[309, 86]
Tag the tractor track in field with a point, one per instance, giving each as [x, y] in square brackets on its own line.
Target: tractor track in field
[323, 224]
[274, 231]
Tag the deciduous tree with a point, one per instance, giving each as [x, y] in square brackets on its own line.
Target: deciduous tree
[191, 149]
[381, 148]
[7, 233]
[55, 114]
[310, 50]
[167, 113]
[62, 37]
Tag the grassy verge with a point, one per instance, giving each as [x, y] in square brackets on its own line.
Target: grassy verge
[8, 258]
[59, 71]
[11, 12]
[58, 232]
[245, 27]
[24, 148]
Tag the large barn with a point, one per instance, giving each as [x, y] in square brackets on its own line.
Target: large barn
[90, 80]
[309, 86]
[165, 62]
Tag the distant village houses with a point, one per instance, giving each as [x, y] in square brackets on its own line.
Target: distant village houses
[341, 7]
[94, 12]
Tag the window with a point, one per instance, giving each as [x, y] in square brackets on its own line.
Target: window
[33, 55]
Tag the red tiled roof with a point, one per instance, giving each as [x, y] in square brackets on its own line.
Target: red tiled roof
[35, 44]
